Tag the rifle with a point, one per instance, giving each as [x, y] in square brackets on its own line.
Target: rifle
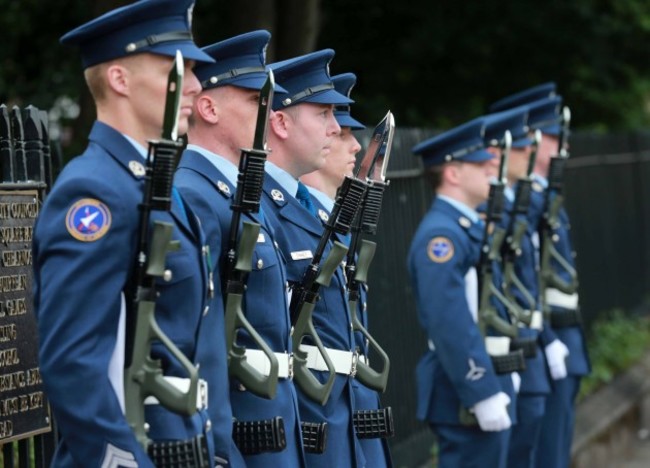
[549, 278]
[517, 227]
[238, 259]
[305, 294]
[143, 375]
[373, 169]
[490, 252]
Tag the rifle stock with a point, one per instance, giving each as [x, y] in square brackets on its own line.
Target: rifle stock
[238, 366]
[238, 260]
[491, 253]
[143, 375]
[304, 327]
[549, 277]
[377, 380]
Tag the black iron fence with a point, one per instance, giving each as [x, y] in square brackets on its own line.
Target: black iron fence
[608, 199]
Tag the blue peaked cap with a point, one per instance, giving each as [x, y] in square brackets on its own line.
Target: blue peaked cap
[536, 93]
[154, 26]
[546, 116]
[239, 61]
[307, 79]
[515, 120]
[464, 143]
[343, 84]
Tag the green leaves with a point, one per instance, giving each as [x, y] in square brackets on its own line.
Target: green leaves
[616, 342]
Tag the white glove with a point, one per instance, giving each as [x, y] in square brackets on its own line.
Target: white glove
[492, 413]
[516, 381]
[556, 353]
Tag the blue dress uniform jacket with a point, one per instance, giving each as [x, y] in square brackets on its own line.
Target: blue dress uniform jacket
[210, 194]
[557, 427]
[297, 230]
[535, 380]
[458, 371]
[79, 302]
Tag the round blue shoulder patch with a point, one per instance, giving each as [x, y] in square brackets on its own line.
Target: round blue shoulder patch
[88, 220]
[440, 249]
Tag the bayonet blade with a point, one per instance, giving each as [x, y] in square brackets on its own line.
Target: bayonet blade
[381, 165]
[564, 137]
[505, 155]
[374, 147]
[263, 112]
[173, 101]
[537, 139]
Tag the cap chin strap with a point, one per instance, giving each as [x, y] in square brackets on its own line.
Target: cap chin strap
[215, 79]
[307, 92]
[154, 39]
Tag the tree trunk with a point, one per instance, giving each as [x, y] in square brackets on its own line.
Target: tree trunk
[298, 25]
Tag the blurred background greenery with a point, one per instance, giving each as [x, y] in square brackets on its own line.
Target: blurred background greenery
[434, 64]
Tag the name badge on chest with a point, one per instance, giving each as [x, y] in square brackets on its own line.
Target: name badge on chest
[302, 255]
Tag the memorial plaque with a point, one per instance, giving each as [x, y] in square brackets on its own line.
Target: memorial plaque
[23, 407]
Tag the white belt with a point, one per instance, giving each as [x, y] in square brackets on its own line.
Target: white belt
[260, 362]
[557, 298]
[536, 322]
[345, 362]
[497, 345]
[183, 384]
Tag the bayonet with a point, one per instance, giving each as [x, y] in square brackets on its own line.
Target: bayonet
[377, 138]
[173, 100]
[263, 112]
[238, 258]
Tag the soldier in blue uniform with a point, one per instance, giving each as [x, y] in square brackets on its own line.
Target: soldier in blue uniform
[557, 428]
[224, 122]
[85, 243]
[456, 379]
[564, 320]
[535, 385]
[301, 134]
[323, 185]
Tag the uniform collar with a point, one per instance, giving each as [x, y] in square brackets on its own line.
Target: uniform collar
[324, 200]
[283, 178]
[227, 168]
[463, 208]
[139, 148]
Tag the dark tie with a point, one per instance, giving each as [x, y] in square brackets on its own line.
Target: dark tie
[304, 198]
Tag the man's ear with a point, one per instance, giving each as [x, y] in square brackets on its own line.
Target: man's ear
[118, 79]
[207, 108]
[280, 123]
[451, 173]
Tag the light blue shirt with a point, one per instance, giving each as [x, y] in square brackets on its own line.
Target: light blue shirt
[324, 200]
[462, 207]
[509, 193]
[283, 178]
[227, 168]
[139, 148]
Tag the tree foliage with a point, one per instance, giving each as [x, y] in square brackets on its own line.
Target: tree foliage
[432, 63]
